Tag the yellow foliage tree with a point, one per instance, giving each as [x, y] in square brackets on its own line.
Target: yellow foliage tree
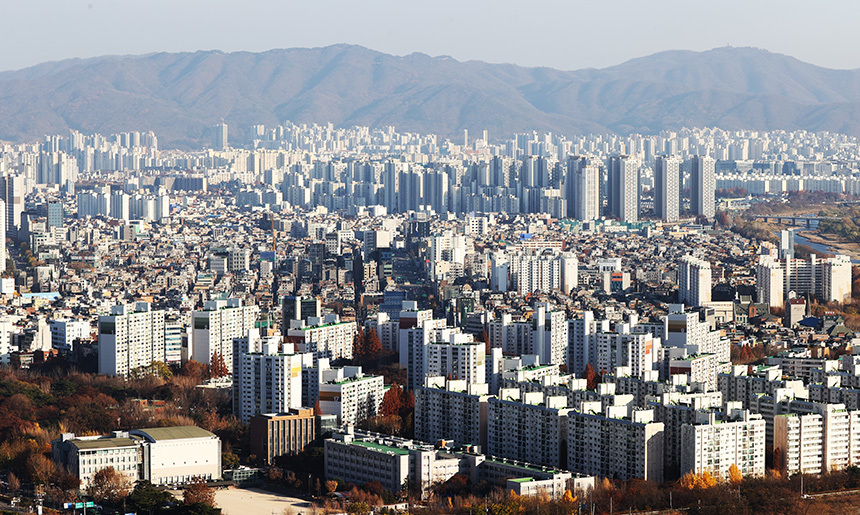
[568, 497]
[735, 476]
[692, 481]
[606, 485]
[688, 481]
[706, 480]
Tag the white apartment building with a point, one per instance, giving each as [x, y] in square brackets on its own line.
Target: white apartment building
[699, 369]
[545, 335]
[694, 280]
[713, 446]
[582, 341]
[685, 329]
[827, 279]
[325, 337]
[451, 410]
[456, 355]
[667, 190]
[214, 328]
[770, 281]
[268, 379]
[526, 427]
[638, 351]
[349, 394]
[617, 444]
[799, 439]
[584, 200]
[130, 337]
[545, 272]
[64, 332]
[703, 185]
[415, 351]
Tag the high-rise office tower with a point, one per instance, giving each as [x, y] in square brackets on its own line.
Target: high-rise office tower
[623, 190]
[667, 191]
[219, 137]
[130, 337]
[703, 185]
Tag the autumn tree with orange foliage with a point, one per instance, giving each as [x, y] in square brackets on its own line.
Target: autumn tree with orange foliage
[590, 377]
[392, 401]
[358, 344]
[693, 481]
[735, 476]
[198, 491]
[109, 485]
[216, 367]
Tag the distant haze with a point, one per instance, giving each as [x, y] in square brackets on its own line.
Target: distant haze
[181, 95]
[562, 34]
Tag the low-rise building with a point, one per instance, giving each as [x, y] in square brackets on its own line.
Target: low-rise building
[279, 434]
[161, 455]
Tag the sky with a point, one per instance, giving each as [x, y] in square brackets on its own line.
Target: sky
[564, 34]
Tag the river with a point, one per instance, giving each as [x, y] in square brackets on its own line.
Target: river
[798, 239]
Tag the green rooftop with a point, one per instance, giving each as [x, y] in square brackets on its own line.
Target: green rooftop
[102, 443]
[380, 447]
[175, 433]
[521, 466]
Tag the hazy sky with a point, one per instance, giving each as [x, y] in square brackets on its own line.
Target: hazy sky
[564, 34]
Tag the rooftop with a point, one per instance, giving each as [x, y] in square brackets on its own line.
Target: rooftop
[380, 447]
[103, 443]
[175, 433]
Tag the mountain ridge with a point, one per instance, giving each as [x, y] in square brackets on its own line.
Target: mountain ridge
[181, 95]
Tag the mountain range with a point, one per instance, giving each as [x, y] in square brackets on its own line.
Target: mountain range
[181, 95]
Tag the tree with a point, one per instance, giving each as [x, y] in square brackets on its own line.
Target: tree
[392, 401]
[331, 486]
[568, 497]
[160, 369]
[217, 368]
[358, 508]
[14, 483]
[109, 485]
[590, 377]
[373, 347]
[146, 498]
[735, 476]
[777, 459]
[40, 468]
[229, 460]
[358, 345]
[194, 370]
[198, 491]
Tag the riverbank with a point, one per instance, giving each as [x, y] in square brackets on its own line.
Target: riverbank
[833, 244]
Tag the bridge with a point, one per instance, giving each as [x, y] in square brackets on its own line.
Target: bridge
[808, 221]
